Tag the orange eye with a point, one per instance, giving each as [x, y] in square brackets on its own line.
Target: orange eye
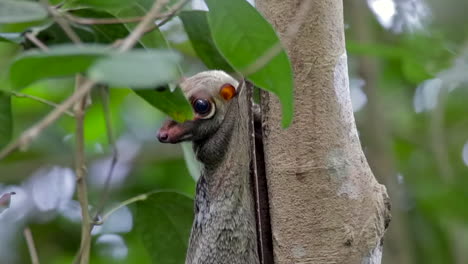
[227, 91]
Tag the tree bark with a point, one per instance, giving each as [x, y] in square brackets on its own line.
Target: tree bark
[325, 204]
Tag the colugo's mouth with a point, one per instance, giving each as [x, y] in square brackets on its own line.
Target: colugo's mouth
[173, 132]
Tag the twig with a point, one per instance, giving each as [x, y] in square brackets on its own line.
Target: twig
[36, 41]
[41, 100]
[437, 137]
[80, 110]
[31, 247]
[102, 21]
[289, 36]
[111, 140]
[170, 14]
[150, 17]
[174, 10]
[105, 21]
[63, 23]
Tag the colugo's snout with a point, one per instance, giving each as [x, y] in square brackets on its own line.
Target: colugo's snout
[173, 132]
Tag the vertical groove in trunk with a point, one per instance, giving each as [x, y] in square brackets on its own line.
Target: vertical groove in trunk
[325, 204]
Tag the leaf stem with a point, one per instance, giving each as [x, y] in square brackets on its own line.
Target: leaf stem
[31, 247]
[63, 23]
[135, 199]
[110, 137]
[38, 99]
[36, 41]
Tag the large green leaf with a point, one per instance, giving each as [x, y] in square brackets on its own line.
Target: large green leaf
[172, 103]
[164, 221]
[139, 69]
[6, 122]
[198, 31]
[242, 35]
[14, 11]
[59, 61]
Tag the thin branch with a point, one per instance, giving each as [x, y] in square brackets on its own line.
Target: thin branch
[36, 41]
[63, 23]
[31, 247]
[105, 21]
[170, 14]
[38, 99]
[289, 37]
[173, 11]
[102, 21]
[138, 32]
[80, 111]
[111, 140]
[438, 137]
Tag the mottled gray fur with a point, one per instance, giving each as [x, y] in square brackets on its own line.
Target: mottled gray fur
[223, 231]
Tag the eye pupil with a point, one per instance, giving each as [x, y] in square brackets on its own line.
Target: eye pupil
[202, 106]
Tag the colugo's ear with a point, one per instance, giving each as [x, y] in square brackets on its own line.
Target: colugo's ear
[227, 91]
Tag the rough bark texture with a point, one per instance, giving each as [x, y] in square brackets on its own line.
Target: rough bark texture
[325, 204]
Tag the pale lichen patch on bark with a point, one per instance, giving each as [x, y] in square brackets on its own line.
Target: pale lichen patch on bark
[341, 81]
[340, 168]
[298, 252]
[342, 93]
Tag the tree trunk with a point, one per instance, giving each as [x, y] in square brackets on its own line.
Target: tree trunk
[325, 204]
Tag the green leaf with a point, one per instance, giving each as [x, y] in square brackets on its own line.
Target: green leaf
[20, 11]
[16, 38]
[193, 165]
[174, 104]
[59, 61]
[164, 221]
[137, 69]
[414, 71]
[198, 31]
[6, 121]
[242, 36]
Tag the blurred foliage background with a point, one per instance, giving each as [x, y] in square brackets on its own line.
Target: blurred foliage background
[408, 66]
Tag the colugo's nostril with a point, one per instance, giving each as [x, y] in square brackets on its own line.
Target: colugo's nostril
[163, 136]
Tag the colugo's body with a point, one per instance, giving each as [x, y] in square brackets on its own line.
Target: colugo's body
[223, 230]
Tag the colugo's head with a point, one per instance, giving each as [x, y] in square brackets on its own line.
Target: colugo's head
[210, 94]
